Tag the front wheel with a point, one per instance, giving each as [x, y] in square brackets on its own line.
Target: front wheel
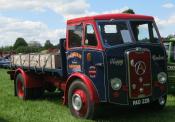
[160, 103]
[79, 101]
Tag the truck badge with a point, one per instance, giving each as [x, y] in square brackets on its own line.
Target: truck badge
[140, 68]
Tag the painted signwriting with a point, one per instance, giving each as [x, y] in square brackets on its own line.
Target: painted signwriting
[74, 55]
[74, 60]
[157, 58]
[114, 61]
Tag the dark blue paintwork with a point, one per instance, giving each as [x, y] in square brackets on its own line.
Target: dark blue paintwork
[98, 61]
[119, 53]
[106, 70]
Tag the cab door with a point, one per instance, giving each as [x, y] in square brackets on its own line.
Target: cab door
[74, 48]
[94, 59]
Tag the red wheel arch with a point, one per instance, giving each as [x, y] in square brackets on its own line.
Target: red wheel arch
[19, 70]
[30, 80]
[88, 83]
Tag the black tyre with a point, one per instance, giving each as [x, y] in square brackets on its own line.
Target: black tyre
[160, 103]
[26, 93]
[20, 87]
[80, 104]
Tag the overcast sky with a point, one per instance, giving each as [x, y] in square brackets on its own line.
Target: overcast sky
[40, 20]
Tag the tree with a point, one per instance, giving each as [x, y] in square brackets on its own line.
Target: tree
[129, 11]
[170, 37]
[6, 48]
[26, 50]
[20, 42]
[48, 44]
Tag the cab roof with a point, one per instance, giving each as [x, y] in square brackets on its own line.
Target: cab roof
[110, 16]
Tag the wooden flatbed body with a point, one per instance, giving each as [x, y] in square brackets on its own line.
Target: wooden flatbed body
[40, 63]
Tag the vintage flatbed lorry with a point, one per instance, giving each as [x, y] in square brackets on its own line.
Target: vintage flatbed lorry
[113, 58]
[170, 49]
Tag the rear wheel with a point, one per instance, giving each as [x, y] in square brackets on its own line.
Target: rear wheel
[26, 93]
[20, 89]
[79, 101]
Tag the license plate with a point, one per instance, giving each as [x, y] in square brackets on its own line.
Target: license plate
[141, 101]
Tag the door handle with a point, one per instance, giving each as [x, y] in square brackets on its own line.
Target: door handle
[99, 64]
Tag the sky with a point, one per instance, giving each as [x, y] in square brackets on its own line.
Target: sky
[41, 20]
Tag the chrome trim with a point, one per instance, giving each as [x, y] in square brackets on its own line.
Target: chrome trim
[129, 77]
[77, 102]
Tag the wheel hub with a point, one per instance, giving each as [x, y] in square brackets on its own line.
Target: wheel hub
[20, 89]
[161, 100]
[77, 102]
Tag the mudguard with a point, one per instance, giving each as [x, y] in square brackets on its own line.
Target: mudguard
[30, 80]
[88, 83]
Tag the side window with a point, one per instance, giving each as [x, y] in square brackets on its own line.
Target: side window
[75, 36]
[143, 34]
[90, 39]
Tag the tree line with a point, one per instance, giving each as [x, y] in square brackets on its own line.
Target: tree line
[21, 46]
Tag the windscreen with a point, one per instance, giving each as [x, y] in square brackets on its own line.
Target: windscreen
[114, 32]
[144, 31]
[118, 32]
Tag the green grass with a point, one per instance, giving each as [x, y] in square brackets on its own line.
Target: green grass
[50, 109]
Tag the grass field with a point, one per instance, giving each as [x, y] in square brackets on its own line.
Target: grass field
[50, 109]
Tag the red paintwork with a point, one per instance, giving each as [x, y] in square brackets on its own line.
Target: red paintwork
[125, 88]
[84, 108]
[30, 80]
[116, 94]
[110, 16]
[33, 80]
[99, 44]
[161, 86]
[19, 70]
[134, 77]
[56, 81]
[87, 81]
[91, 20]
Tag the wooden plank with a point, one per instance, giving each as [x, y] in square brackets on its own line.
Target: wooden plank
[49, 61]
[34, 60]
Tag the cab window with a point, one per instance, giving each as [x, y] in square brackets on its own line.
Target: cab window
[90, 37]
[75, 36]
[144, 31]
[114, 32]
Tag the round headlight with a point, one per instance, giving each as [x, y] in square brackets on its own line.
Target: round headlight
[116, 83]
[162, 77]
